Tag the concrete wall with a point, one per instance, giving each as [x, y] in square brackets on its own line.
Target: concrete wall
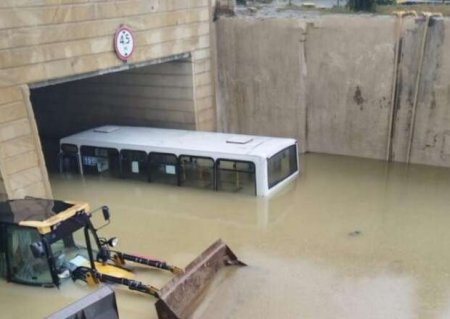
[261, 77]
[426, 126]
[350, 63]
[329, 82]
[406, 81]
[44, 40]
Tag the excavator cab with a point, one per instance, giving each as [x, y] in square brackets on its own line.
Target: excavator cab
[43, 242]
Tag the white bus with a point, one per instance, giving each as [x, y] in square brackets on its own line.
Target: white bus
[255, 165]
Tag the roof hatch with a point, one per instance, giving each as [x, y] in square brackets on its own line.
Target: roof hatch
[239, 139]
[106, 129]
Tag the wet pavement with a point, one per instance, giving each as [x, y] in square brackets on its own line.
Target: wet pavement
[351, 238]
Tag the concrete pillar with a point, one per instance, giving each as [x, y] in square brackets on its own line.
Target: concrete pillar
[22, 165]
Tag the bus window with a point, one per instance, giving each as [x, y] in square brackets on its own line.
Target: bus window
[197, 172]
[162, 168]
[100, 160]
[134, 164]
[68, 159]
[236, 176]
[282, 165]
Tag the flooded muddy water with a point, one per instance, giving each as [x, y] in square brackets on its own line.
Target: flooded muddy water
[350, 238]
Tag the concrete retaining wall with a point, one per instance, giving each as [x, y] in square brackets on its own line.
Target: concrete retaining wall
[350, 63]
[430, 122]
[261, 77]
[329, 82]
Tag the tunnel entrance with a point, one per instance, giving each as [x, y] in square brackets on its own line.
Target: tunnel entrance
[153, 94]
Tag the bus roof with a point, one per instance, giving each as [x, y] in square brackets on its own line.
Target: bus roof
[178, 141]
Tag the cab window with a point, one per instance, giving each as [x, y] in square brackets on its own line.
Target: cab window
[23, 266]
[70, 249]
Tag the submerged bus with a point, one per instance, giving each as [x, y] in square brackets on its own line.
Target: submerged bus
[256, 165]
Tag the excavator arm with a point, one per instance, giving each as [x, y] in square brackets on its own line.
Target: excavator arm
[120, 259]
[177, 297]
[93, 278]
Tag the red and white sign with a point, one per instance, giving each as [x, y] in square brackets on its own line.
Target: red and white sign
[124, 43]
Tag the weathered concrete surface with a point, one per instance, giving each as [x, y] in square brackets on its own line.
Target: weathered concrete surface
[350, 62]
[409, 56]
[261, 77]
[431, 134]
[334, 91]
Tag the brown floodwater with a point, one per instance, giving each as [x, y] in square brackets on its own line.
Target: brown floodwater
[350, 238]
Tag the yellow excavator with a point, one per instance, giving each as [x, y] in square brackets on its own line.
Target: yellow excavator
[43, 242]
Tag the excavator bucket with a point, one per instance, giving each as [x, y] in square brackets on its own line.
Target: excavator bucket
[178, 298]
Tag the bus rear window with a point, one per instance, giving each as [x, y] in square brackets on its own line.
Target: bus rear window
[282, 165]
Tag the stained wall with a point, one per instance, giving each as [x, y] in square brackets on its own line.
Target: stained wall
[337, 84]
